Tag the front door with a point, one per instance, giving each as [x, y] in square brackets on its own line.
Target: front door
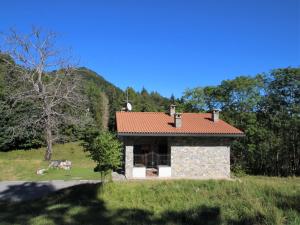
[151, 159]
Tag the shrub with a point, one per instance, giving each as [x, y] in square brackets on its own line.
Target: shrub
[106, 150]
[238, 170]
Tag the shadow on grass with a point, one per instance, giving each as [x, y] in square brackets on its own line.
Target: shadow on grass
[288, 202]
[198, 216]
[55, 208]
[80, 205]
[258, 219]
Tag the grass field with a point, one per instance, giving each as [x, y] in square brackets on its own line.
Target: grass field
[248, 200]
[23, 164]
[252, 200]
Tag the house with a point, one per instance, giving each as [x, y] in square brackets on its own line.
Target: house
[187, 145]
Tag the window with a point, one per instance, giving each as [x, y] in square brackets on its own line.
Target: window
[163, 155]
[163, 149]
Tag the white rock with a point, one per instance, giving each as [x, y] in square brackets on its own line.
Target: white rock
[41, 171]
[117, 176]
[62, 164]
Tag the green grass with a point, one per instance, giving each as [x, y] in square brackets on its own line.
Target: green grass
[252, 200]
[23, 164]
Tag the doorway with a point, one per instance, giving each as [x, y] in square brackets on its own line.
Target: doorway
[151, 155]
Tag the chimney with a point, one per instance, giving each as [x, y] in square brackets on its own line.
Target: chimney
[177, 120]
[215, 115]
[172, 110]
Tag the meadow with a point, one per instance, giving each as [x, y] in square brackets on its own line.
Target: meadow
[250, 200]
[245, 200]
[23, 164]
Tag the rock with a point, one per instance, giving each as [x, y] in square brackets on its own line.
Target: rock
[60, 164]
[41, 171]
[117, 176]
[66, 165]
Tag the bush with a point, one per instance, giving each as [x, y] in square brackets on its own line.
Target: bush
[238, 170]
[106, 150]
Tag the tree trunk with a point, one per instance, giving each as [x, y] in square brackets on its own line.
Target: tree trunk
[277, 164]
[48, 153]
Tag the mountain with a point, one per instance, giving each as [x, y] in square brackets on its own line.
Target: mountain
[141, 101]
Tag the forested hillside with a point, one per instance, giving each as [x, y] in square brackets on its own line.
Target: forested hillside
[141, 101]
[267, 108]
[104, 99]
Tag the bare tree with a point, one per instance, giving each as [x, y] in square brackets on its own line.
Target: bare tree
[44, 74]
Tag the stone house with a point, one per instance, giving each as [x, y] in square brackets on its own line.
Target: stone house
[187, 145]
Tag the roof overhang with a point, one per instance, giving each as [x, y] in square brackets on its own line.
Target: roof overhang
[123, 134]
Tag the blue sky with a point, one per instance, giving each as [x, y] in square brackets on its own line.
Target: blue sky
[168, 46]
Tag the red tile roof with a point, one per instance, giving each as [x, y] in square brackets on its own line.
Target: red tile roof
[158, 123]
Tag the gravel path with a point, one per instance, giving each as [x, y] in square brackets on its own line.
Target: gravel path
[16, 191]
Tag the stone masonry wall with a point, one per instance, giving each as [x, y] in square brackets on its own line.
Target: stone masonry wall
[191, 157]
[200, 157]
[128, 161]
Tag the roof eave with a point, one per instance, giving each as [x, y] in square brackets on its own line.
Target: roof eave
[123, 134]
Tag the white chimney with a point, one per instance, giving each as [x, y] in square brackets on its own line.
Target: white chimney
[215, 115]
[172, 110]
[177, 120]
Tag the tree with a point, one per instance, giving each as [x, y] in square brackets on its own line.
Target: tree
[267, 108]
[172, 99]
[45, 76]
[194, 99]
[105, 149]
[281, 110]
[98, 105]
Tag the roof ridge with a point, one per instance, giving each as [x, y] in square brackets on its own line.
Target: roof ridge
[164, 112]
[140, 112]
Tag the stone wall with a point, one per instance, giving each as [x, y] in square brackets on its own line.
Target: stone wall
[128, 160]
[200, 157]
[191, 157]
